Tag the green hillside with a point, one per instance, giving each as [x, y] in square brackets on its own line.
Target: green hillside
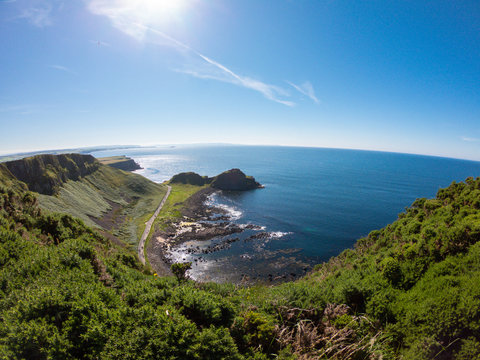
[408, 291]
[114, 201]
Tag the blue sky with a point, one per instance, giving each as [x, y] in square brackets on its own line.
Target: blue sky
[399, 76]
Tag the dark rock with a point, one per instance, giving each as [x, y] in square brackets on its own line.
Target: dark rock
[231, 180]
[190, 178]
[234, 180]
[260, 235]
[126, 165]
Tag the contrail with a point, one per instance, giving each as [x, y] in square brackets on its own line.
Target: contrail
[267, 90]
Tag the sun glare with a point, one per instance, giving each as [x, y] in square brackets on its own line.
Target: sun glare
[165, 6]
[162, 9]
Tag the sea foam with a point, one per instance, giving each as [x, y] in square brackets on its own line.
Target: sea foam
[278, 234]
[232, 212]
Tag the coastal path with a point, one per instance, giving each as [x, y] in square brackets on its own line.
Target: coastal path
[148, 227]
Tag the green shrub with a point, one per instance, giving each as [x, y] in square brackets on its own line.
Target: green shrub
[203, 308]
[180, 270]
[470, 349]
[391, 270]
[256, 330]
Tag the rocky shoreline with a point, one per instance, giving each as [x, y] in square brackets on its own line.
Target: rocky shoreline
[207, 234]
[204, 231]
[198, 222]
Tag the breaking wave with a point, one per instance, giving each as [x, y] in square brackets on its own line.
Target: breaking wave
[232, 212]
[278, 234]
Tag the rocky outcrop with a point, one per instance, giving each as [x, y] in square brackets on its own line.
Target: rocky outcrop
[190, 178]
[46, 173]
[234, 180]
[126, 165]
[231, 180]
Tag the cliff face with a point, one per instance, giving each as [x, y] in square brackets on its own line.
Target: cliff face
[126, 165]
[120, 162]
[46, 173]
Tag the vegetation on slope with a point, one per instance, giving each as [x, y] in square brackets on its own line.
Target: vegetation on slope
[416, 280]
[408, 291]
[65, 292]
[175, 202]
[114, 201]
[45, 174]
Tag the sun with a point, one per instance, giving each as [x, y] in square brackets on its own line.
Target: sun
[161, 9]
[137, 17]
[165, 6]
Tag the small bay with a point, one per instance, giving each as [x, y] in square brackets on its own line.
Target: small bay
[316, 202]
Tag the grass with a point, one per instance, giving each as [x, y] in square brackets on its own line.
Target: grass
[401, 293]
[171, 209]
[78, 199]
[113, 159]
[7, 179]
[94, 195]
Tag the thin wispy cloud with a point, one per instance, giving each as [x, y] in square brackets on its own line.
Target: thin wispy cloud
[219, 72]
[24, 109]
[63, 68]
[39, 16]
[469, 139]
[125, 17]
[271, 92]
[39, 13]
[306, 89]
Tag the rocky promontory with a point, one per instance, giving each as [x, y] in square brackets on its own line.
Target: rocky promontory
[234, 180]
[120, 162]
[190, 178]
[231, 180]
[199, 221]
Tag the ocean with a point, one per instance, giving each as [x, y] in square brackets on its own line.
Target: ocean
[316, 202]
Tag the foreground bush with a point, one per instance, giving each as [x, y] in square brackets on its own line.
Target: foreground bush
[408, 291]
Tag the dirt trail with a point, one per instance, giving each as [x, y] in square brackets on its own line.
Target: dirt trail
[148, 227]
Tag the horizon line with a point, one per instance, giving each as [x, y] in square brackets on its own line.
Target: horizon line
[27, 153]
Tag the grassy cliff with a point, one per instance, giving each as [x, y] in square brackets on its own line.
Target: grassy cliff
[408, 291]
[114, 201]
[45, 174]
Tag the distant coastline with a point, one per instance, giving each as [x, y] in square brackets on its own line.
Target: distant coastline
[14, 155]
[81, 150]
[121, 162]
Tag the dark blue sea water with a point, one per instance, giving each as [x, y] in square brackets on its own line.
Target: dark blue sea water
[316, 202]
